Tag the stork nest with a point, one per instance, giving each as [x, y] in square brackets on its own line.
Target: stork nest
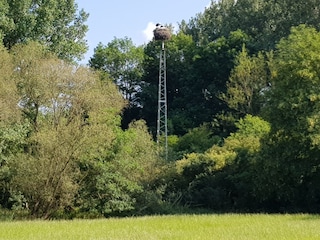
[161, 34]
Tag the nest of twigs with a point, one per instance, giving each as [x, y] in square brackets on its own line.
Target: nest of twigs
[161, 34]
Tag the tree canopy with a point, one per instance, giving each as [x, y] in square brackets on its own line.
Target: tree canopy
[243, 113]
[69, 121]
[54, 23]
[266, 22]
[290, 153]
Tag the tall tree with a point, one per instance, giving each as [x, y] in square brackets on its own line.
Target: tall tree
[67, 148]
[116, 176]
[8, 93]
[70, 112]
[266, 22]
[13, 132]
[221, 177]
[291, 153]
[55, 23]
[122, 61]
[247, 83]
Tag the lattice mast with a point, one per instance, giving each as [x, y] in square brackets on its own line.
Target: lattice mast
[162, 34]
[162, 121]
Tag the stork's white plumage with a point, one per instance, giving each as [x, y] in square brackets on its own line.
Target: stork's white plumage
[158, 25]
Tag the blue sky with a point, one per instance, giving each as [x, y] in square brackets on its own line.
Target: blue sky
[133, 19]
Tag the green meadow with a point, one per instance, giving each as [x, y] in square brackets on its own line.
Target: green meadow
[225, 226]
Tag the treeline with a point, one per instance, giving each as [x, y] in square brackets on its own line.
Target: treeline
[243, 108]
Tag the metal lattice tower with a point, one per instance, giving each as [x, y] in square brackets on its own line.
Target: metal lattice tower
[162, 122]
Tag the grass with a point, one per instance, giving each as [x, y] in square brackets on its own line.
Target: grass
[226, 226]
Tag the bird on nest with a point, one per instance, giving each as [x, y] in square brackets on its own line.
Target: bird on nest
[158, 25]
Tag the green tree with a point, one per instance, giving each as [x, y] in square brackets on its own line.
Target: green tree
[247, 83]
[8, 93]
[212, 67]
[122, 61]
[116, 178]
[5, 23]
[196, 140]
[13, 133]
[294, 81]
[67, 149]
[70, 111]
[290, 155]
[222, 177]
[266, 22]
[14, 139]
[56, 24]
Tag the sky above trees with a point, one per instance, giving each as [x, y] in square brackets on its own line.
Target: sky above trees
[133, 19]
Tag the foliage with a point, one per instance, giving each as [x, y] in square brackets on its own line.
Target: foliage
[216, 178]
[290, 153]
[13, 142]
[294, 91]
[13, 131]
[8, 93]
[179, 53]
[56, 24]
[67, 152]
[196, 140]
[47, 178]
[246, 84]
[195, 78]
[68, 110]
[266, 22]
[122, 62]
[115, 178]
[72, 144]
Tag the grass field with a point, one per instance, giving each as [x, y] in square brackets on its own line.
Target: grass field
[225, 226]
